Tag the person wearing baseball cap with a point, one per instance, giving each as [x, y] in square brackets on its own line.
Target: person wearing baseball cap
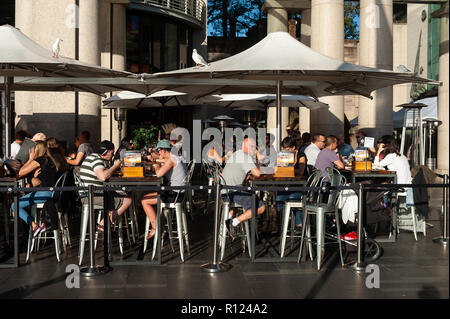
[173, 169]
[94, 172]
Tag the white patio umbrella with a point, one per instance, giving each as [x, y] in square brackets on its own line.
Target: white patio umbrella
[255, 101]
[22, 61]
[133, 100]
[284, 65]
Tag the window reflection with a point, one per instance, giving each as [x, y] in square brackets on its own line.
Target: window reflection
[155, 44]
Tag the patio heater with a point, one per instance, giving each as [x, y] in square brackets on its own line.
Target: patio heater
[413, 119]
[119, 116]
[431, 127]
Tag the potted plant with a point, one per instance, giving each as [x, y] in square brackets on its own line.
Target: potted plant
[145, 136]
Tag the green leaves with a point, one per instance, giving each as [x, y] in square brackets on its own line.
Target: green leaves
[145, 136]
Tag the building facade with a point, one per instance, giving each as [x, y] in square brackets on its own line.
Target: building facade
[132, 35]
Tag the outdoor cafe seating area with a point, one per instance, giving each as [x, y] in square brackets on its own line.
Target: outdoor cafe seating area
[304, 208]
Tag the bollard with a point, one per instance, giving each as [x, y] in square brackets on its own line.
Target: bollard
[359, 264]
[443, 240]
[92, 270]
[216, 267]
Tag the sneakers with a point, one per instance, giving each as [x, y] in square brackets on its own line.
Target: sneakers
[233, 230]
[39, 229]
[350, 236]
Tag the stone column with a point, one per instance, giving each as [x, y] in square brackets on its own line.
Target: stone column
[443, 114]
[327, 37]
[277, 20]
[305, 38]
[375, 116]
[89, 51]
[305, 27]
[115, 42]
[23, 100]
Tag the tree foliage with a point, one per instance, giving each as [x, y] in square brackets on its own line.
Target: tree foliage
[228, 18]
[351, 23]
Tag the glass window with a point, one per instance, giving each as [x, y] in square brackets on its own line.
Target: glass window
[133, 54]
[171, 47]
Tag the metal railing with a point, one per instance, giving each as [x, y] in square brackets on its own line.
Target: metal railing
[193, 8]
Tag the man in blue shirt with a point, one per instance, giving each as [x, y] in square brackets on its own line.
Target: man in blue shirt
[344, 149]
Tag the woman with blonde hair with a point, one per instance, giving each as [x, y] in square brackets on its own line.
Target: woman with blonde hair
[44, 170]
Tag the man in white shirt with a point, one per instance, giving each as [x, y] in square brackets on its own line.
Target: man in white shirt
[313, 150]
[15, 146]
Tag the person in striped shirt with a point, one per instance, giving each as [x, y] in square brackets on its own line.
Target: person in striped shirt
[94, 172]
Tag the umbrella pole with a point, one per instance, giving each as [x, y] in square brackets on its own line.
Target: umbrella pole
[279, 128]
[7, 115]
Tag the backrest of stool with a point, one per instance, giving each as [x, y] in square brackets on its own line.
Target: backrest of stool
[336, 179]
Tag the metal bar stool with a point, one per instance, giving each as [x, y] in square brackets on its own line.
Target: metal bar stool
[313, 181]
[320, 210]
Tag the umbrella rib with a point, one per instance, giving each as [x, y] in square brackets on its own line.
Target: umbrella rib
[140, 102]
[210, 92]
[176, 99]
[84, 89]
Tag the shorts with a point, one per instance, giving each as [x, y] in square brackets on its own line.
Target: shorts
[113, 202]
[243, 199]
[171, 196]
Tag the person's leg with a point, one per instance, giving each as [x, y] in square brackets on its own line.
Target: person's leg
[280, 199]
[125, 204]
[298, 213]
[148, 202]
[29, 200]
[245, 202]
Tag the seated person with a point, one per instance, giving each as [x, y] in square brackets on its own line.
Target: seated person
[267, 155]
[22, 155]
[359, 139]
[234, 174]
[394, 161]
[125, 145]
[288, 144]
[173, 169]
[94, 172]
[313, 149]
[344, 149]
[329, 157]
[306, 141]
[15, 146]
[45, 170]
[84, 149]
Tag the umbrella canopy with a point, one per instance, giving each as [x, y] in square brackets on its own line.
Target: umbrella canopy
[22, 61]
[164, 98]
[303, 71]
[285, 65]
[248, 102]
[132, 100]
[24, 57]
